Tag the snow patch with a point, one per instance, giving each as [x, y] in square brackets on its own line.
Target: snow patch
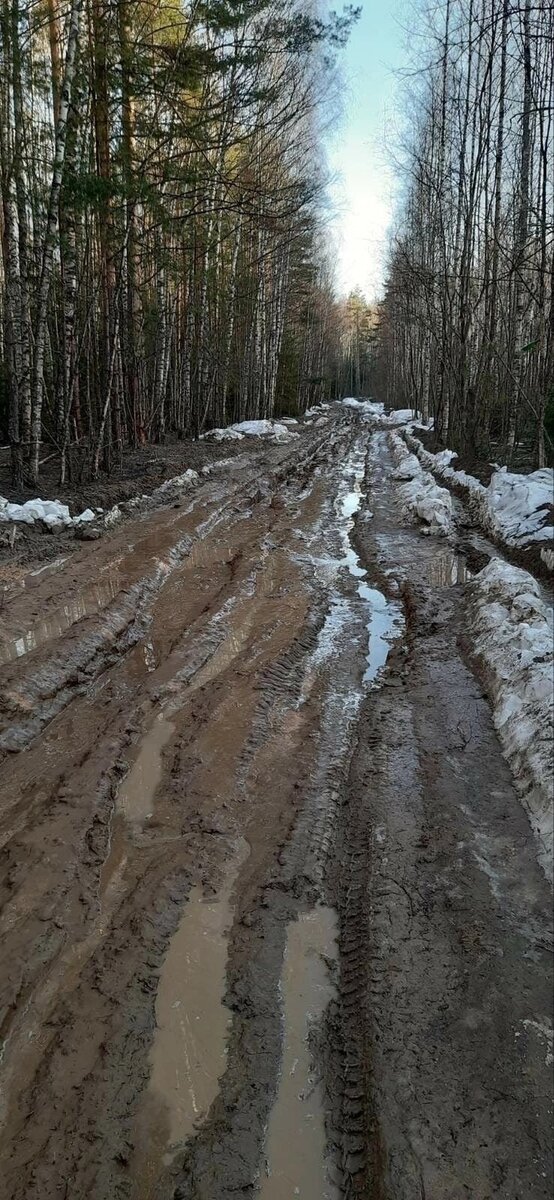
[514, 508]
[512, 628]
[369, 408]
[400, 416]
[85, 517]
[56, 516]
[264, 429]
[520, 505]
[420, 494]
[187, 479]
[222, 435]
[51, 513]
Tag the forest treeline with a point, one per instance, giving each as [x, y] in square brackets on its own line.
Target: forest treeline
[164, 267]
[466, 330]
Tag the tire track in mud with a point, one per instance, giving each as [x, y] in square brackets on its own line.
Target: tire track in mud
[51, 688]
[443, 918]
[103, 975]
[225, 1157]
[274, 743]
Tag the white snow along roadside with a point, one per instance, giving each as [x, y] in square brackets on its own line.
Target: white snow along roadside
[56, 516]
[52, 513]
[264, 429]
[421, 496]
[512, 631]
[515, 508]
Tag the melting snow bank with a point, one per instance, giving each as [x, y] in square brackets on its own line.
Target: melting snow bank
[514, 508]
[51, 513]
[56, 516]
[375, 411]
[512, 631]
[399, 416]
[276, 430]
[367, 408]
[420, 494]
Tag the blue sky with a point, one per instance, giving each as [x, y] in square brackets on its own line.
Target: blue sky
[363, 189]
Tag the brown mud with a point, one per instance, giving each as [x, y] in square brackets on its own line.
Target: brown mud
[271, 916]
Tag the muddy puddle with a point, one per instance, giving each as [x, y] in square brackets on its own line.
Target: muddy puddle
[383, 617]
[296, 1142]
[134, 801]
[136, 793]
[86, 604]
[384, 625]
[134, 804]
[189, 1050]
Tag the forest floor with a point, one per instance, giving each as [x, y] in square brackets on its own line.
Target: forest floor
[272, 922]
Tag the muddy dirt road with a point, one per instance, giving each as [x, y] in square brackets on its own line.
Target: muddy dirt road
[272, 920]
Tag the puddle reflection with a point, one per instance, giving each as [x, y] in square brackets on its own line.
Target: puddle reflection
[189, 1051]
[296, 1142]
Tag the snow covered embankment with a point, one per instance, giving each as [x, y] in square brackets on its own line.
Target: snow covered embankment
[420, 494]
[512, 631]
[514, 508]
[366, 408]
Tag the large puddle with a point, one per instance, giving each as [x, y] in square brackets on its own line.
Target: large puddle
[189, 1051]
[296, 1142]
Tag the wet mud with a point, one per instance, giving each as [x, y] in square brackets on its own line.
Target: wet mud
[272, 922]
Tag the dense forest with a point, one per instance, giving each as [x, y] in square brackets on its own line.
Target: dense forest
[467, 323]
[163, 259]
[165, 253]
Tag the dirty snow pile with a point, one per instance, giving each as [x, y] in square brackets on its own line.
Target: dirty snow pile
[275, 430]
[177, 482]
[400, 416]
[317, 415]
[51, 513]
[420, 494]
[512, 628]
[366, 408]
[56, 516]
[516, 508]
[520, 505]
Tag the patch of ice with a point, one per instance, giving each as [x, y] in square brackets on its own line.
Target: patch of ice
[512, 628]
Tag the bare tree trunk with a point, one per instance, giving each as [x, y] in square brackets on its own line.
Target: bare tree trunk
[51, 236]
[521, 233]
